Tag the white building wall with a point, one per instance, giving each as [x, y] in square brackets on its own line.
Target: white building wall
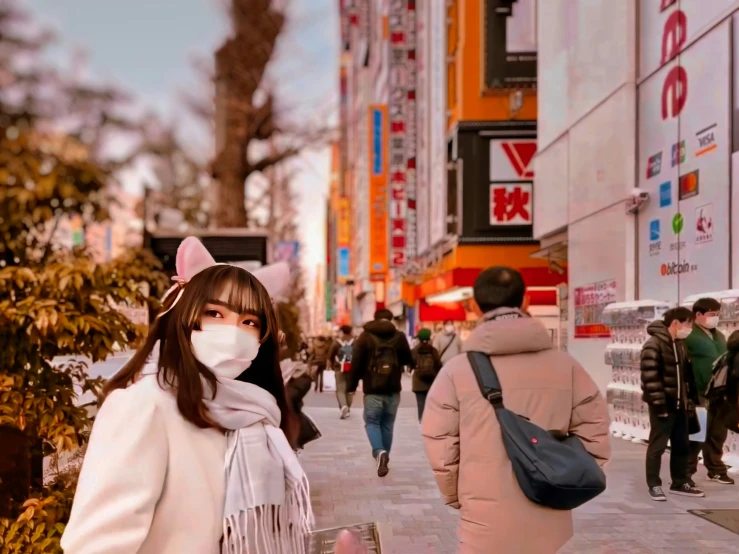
[586, 164]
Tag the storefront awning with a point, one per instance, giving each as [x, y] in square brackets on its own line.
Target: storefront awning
[441, 312]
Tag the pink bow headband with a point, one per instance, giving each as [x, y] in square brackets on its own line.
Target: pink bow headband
[192, 258]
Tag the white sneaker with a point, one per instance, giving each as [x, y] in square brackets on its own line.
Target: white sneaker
[345, 412]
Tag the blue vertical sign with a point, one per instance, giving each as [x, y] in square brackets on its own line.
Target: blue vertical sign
[343, 264]
[377, 142]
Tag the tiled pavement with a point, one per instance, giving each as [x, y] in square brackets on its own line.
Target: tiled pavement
[413, 520]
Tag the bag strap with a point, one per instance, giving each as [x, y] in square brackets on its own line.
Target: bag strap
[487, 378]
[451, 340]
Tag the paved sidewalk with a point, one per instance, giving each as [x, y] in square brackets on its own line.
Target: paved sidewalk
[346, 490]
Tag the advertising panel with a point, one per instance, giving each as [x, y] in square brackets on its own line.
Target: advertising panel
[411, 133]
[684, 146]
[422, 128]
[510, 44]
[589, 302]
[668, 26]
[343, 264]
[343, 222]
[511, 187]
[399, 111]
[438, 122]
[378, 201]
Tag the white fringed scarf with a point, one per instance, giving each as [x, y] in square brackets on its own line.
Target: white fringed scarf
[267, 509]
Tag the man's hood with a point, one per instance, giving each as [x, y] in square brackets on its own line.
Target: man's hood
[502, 337]
[381, 328]
[659, 329]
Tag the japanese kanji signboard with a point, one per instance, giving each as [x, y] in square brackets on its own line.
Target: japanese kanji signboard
[402, 169]
[511, 187]
[511, 204]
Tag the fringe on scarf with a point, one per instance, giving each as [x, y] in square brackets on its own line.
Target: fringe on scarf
[272, 529]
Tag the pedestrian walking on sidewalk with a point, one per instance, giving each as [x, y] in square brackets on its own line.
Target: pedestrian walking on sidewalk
[340, 360]
[192, 449]
[426, 366]
[319, 359]
[447, 342]
[669, 389]
[462, 434]
[705, 345]
[379, 357]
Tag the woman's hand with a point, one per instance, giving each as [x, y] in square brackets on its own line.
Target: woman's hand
[348, 543]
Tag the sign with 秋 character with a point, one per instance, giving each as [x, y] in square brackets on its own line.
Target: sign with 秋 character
[511, 176]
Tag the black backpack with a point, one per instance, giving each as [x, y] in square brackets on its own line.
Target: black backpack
[552, 472]
[384, 361]
[425, 365]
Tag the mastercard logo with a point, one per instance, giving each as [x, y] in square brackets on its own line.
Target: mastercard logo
[689, 185]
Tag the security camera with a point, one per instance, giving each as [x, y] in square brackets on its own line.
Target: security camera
[636, 200]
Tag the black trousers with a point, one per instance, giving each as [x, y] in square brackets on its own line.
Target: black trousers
[421, 402]
[713, 447]
[673, 428]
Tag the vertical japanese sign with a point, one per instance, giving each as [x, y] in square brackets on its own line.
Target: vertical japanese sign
[343, 239]
[378, 228]
[437, 64]
[511, 187]
[398, 110]
[422, 128]
[411, 134]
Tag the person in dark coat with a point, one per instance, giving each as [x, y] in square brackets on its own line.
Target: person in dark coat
[668, 387]
[426, 366]
[378, 359]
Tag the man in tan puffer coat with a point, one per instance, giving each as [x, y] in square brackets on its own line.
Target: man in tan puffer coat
[463, 439]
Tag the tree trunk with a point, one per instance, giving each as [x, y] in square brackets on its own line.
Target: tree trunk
[231, 211]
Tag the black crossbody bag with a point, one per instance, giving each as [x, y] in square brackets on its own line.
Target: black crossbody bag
[554, 472]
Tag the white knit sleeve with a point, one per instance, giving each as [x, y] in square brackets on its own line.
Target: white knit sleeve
[122, 477]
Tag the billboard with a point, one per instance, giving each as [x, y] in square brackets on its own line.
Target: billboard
[510, 44]
[437, 64]
[378, 200]
[422, 128]
[511, 177]
[684, 158]
[343, 264]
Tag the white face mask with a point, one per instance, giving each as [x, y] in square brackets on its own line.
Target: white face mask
[226, 350]
[449, 329]
[683, 333]
[711, 322]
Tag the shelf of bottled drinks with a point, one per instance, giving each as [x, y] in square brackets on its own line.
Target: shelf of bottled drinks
[628, 323]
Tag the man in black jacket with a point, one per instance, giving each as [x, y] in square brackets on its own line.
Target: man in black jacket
[669, 389]
[378, 359]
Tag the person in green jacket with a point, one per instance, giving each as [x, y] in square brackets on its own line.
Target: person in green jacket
[705, 345]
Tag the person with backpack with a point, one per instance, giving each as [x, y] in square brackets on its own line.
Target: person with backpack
[378, 359]
[705, 345]
[426, 366]
[340, 359]
[447, 342]
[668, 388]
[467, 444]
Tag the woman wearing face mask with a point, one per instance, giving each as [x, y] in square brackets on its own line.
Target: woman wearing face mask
[192, 454]
[447, 343]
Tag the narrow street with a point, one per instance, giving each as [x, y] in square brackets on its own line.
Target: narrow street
[413, 520]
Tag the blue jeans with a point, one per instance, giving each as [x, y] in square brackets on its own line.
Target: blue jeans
[379, 418]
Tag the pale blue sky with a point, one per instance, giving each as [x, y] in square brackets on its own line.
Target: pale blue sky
[147, 46]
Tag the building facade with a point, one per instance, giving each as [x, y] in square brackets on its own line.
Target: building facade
[636, 95]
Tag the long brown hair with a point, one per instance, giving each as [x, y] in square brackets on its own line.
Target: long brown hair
[178, 367]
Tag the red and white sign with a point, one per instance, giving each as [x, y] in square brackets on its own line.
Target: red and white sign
[399, 110]
[512, 160]
[511, 204]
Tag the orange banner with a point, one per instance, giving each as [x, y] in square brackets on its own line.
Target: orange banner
[343, 223]
[378, 149]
